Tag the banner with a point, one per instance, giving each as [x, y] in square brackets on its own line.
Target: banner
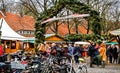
[66, 17]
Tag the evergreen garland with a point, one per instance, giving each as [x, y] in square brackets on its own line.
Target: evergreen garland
[75, 7]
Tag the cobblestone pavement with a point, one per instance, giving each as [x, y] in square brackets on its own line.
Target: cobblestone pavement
[108, 69]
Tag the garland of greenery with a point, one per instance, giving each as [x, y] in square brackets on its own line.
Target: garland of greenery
[84, 37]
[75, 7]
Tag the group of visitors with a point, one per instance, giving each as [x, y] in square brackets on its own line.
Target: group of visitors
[62, 49]
[113, 53]
[99, 54]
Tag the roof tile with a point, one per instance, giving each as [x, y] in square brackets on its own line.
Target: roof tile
[17, 23]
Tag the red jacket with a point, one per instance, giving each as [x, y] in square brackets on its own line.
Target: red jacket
[1, 51]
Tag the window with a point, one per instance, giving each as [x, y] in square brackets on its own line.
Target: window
[21, 32]
[28, 32]
[7, 44]
[25, 32]
[31, 45]
[13, 45]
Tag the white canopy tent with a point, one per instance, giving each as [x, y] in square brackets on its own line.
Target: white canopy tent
[115, 32]
[7, 33]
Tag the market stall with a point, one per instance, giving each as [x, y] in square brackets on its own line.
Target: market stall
[10, 39]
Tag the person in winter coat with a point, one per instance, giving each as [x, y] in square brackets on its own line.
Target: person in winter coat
[1, 53]
[111, 54]
[115, 54]
[91, 53]
[70, 49]
[102, 52]
[77, 52]
[97, 57]
[1, 50]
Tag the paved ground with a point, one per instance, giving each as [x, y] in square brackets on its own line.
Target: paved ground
[111, 68]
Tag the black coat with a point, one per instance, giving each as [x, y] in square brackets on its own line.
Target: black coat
[91, 50]
[77, 51]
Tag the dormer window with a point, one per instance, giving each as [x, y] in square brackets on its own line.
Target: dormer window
[21, 32]
[25, 32]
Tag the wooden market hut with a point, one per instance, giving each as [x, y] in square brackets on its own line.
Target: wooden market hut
[11, 41]
[54, 38]
[50, 38]
[11, 46]
[116, 34]
[113, 41]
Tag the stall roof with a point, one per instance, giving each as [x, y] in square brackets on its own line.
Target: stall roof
[115, 32]
[109, 43]
[32, 39]
[7, 33]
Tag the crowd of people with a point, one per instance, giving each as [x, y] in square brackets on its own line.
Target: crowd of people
[99, 54]
[113, 53]
[67, 50]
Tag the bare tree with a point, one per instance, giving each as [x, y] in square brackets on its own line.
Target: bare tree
[34, 7]
[3, 6]
[109, 10]
[105, 8]
[115, 13]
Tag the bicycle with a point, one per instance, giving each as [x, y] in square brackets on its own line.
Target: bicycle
[48, 66]
[82, 67]
[57, 65]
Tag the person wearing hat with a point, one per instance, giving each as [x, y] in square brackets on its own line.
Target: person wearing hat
[65, 50]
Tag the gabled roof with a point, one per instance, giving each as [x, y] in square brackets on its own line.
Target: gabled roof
[9, 34]
[19, 23]
[27, 23]
[48, 37]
